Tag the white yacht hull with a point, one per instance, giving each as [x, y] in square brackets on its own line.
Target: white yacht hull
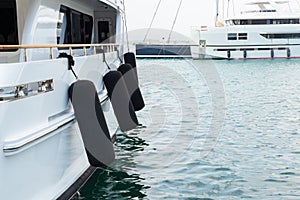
[256, 46]
[43, 153]
[266, 31]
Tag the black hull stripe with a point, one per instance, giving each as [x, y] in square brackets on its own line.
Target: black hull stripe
[71, 191]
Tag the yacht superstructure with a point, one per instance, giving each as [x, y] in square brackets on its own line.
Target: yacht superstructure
[266, 32]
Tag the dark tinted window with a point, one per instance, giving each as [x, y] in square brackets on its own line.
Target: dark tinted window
[281, 35]
[237, 36]
[243, 36]
[8, 23]
[74, 27]
[231, 36]
[265, 21]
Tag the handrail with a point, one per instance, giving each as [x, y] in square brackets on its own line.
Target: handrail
[111, 47]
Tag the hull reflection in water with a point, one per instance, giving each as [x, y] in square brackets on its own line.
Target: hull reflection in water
[116, 182]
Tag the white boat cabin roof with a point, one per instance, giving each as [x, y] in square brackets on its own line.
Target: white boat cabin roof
[265, 10]
[266, 15]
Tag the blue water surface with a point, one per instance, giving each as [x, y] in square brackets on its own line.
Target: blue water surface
[224, 129]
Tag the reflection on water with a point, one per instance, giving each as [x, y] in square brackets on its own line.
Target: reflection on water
[130, 142]
[193, 147]
[116, 181]
[108, 183]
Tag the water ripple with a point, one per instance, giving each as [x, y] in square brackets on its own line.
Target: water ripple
[173, 156]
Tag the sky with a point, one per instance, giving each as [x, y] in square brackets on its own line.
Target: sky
[192, 13]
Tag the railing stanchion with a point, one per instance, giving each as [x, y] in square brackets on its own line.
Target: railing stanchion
[84, 50]
[70, 49]
[25, 55]
[51, 53]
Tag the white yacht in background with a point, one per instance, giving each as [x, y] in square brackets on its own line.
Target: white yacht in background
[43, 154]
[265, 32]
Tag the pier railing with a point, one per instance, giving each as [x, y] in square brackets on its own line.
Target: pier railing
[111, 47]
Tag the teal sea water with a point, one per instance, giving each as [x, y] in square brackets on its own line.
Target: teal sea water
[211, 130]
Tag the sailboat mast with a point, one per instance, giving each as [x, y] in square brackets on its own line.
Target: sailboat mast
[152, 21]
[169, 38]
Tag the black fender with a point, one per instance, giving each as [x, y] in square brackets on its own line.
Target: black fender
[92, 124]
[120, 100]
[132, 86]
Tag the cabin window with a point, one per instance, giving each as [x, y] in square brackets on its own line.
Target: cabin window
[281, 35]
[74, 27]
[243, 36]
[76, 31]
[237, 36]
[8, 23]
[232, 36]
[229, 22]
[265, 21]
[103, 31]
[236, 22]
